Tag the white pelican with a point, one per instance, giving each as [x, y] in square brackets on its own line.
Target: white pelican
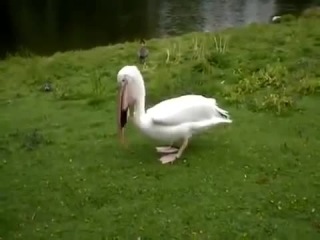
[170, 120]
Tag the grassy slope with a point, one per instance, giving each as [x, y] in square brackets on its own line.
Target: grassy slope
[255, 179]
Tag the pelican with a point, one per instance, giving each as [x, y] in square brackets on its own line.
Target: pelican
[169, 121]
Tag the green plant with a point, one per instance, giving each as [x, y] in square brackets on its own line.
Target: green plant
[98, 88]
[221, 44]
[173, 54]
[313, 12]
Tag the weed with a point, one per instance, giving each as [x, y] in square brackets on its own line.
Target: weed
[313, 12]
[308, 86]
[220, 44]
[98, 89]
[173, 54]
[33, 140]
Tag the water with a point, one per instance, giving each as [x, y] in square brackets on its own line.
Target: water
[47, 26]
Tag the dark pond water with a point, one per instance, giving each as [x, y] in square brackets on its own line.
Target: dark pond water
[47, 26]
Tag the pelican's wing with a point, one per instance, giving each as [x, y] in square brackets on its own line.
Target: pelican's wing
[185, 109]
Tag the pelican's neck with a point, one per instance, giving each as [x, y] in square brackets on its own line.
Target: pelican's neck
[140, 108]
[139, 113]
[139, 91]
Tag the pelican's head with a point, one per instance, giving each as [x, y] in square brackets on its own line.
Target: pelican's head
[131, 89]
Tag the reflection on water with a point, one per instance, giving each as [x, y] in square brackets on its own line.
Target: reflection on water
[47, 26]
[237, 13]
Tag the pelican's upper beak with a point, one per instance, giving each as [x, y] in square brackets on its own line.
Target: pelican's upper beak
[125, 100]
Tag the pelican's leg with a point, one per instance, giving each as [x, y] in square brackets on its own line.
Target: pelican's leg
[172, 157]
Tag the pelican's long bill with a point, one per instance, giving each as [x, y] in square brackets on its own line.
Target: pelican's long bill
[124, 102]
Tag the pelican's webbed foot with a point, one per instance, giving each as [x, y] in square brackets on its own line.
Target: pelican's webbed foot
[167, 150]
[169, 158]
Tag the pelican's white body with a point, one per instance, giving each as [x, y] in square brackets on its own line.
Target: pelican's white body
[180, 118]
[172, 119]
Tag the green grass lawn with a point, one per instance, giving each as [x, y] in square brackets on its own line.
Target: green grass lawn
[64, 175]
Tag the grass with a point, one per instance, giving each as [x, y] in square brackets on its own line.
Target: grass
[63, 174]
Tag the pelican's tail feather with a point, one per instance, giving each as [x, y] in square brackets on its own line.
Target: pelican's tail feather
[204, 125]
[223, 113]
